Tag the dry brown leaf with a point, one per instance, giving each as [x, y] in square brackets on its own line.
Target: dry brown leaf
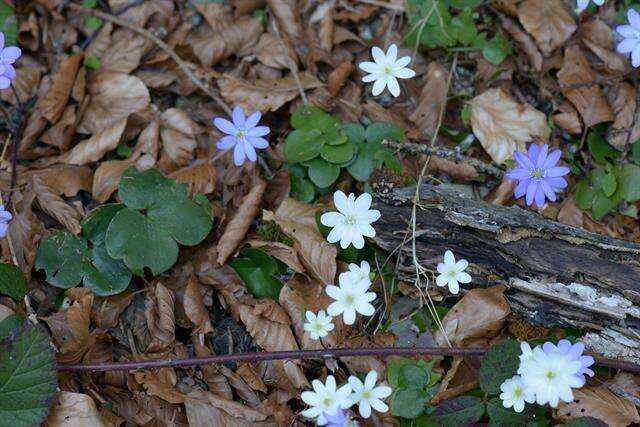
[74, 410]
[178, 134]
[264, 95]
[251, 377]
[51, 203]
[269, 51]
[624, 131]
[288, 18]
[161, 384]
[70, 328]
[114, 96]
[503, 125]
[571, 214]
[599, 37]
[548, 22]
[160, 318]
[107, 178]
[200, 177]
[462, 376]
[293, 210]
[528, 45]
[237, 227]
[231, 37]
[26, 231]
[568, 119]
[339, 76]
[460, 171]
[244, 392]
[280, 251]
[481, 313]
[26, 84]
[61, 134]
[599, 402]
[433, 99]
[106, 311]
[205, 409]
[195, 309]
[55, 101]
[123, 56]
[63, 179]
[577, 81]
[92, 149]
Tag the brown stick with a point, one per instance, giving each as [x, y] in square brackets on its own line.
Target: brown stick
[307, 354]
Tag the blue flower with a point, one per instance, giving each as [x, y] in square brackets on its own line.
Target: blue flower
[340, 419]
[631, 37]
[242, 134]
[5, 217]
[537, 174]
[8, 55]
[574, 351]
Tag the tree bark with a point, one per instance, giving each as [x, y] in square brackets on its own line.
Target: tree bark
[556, 275]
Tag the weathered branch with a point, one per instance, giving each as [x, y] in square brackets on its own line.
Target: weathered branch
[556, 275]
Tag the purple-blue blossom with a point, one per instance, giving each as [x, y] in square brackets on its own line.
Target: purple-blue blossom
[537, 174]
[630, 33]
[242, 134]
[5, 217]
[339, 419]
[8, 56]
[574, 351]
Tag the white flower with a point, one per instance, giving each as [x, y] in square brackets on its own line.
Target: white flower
[527, 353]
[367, 395]
[515, 394]
[452, 272]
[350, 297]
[582, 4]
[631, 37]
[386, 70]
[353, 220]
[357, 274]
[325, 398]
[318, 326]
[550, 376]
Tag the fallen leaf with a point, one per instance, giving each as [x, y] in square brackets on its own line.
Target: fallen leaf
[160, 318]
[114, 96]
[599, 402]
[92, 149]
[107, 178]
[269, 51]
[287, 16]
[63, 179]
[625, 129]
[231, 37]
[61, 134]
[200, 177]
[178, 133]
[161, 384]
[242, 389]
[123, 56]
[481, 313]
[577, 81]
[548, 22]
[74, 410]
[264, 95]
[237, 227]
[432, 101]
[55, 101]
[461, 377]
[106, 311]
[503, 125]
[528, 45]
[206, 409]
[571, 214]
[251, 377]
[195, 309]
[26, 84]
[339, 76]
[280, 251]
[51, 203]
[599, 37]
[26, 231]
[568, 119]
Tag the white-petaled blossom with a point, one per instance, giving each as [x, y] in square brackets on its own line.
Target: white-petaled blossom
[452, 273]
[366, 395]
[352, 223]
[386, 70]
[550, 376]
[350, 297]
[583, 4]
[325, 399]
[359, 273]
[318, 326]
[630, 37]
[515, 394]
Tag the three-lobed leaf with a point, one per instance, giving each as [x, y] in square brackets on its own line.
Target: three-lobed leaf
[459, 411]
[499, 364]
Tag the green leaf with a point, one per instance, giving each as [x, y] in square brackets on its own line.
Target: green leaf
[323, 173]
[302, 189]
[258, 272]
[586, 422]
[413, 376]
[309, 117]
[9, 324]
[600, 148]
[499, 364]
[27, 377]
[334, 135]
[463, 28]
[499, 416]
[92, 62]
[602, 205]
[378, 132]
[609, 184]
[151, 240]
[93, 23]
[302, 145]
[104, 275]
[635, 153]
[8, 24]
[355, 132]
[464, 4]
[497, 49]
[94, 226]
[62, 256]
[628, 177]
[408, 402]
[338, 153]
[395, 366]
[12, 281]
[460, 411]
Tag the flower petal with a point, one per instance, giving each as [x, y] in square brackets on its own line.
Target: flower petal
[627, 45]
[557, 171]
[340, 201]
[259, 131]
[392, 53]
[552, 159]
[258, 142]
[449, 259]
[226, 142]
[402, 62]
[331, 219]
[378, 55]
[363, 202]
[404, 73]
[539, 197]
[10, 54]
[250, 151]
[522, 160]
[521, 189]
[379, 86]
[627, 31]
[542, 156]
[517, 174]
[253, 120]
[634, 18]
[531, 191]
[238, 116]
[394, 86]
[238, 155]
[225, 126]
[548, 191]
[370, 67]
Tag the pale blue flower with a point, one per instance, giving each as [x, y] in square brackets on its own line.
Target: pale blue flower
[574, 351]
[5, 217]
[8, 56]
[631, 37]
[243, 135]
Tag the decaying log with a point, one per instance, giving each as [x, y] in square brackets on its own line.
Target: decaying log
[557, 275]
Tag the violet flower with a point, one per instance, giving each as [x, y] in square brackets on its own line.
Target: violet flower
[574, 351]
[537, 174]
[8, 55]
[630, 34]
[5, 217]
[339, 419]
[242, 134]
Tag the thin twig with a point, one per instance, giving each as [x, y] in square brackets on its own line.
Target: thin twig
[309, 354]
[383, 4]
[292, 65]
[161, 44]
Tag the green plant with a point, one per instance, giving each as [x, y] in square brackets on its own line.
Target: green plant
[8, 24]
[259, 272]
[450, 23]
[121, 238]
[320, 146]
[12, 281]
[414, 384]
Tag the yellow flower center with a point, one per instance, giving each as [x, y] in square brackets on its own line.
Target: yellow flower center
[551, 375]
[351, 219]
[387, 70]
[349, 299]
[241, 135]
[537, 174]
[517, 392]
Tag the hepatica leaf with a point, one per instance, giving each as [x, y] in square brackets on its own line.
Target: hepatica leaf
[150, 238]
[12, 281]
[27, 376]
